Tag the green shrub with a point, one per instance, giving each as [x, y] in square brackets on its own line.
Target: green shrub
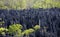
[3, 30]
[37, 27]
[16, 29]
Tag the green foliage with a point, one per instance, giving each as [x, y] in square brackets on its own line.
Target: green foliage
[37, 27]
[12, 4]
[3, 30]
[24, 4]
[28, 31]
[16, 29]
[46, 4]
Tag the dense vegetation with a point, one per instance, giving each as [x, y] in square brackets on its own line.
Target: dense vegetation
[15, 22]
[16, 30]
[24, 4]
[49, 18]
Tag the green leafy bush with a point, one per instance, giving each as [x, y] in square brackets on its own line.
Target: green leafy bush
[3, 30]
[37, 27]
[16, 29]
